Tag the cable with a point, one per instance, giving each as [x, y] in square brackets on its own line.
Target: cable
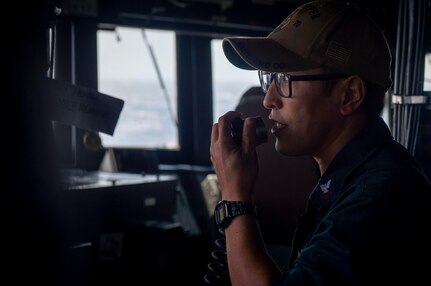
[162, 84]
[409, 73]
[219, 272]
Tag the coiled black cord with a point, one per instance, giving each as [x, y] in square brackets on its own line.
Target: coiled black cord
[219, 272]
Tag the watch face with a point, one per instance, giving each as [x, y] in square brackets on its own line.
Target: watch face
[225, 211]
[219, 213]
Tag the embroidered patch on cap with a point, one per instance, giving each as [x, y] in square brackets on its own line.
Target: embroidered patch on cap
[337, 52]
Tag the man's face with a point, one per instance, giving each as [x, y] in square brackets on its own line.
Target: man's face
[306, 122]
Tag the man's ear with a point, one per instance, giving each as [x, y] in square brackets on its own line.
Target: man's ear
[353, 94]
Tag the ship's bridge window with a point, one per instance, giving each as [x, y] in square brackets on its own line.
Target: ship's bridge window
[139, 66]
[427, 76]
[229, 82]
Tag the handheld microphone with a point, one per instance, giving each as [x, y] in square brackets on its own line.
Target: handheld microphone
[261, 132]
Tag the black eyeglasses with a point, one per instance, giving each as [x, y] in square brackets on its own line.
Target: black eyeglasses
[283, 81]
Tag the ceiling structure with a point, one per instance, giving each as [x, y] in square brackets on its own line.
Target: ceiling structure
[250, 17]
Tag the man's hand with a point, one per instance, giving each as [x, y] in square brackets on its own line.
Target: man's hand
[236, 166]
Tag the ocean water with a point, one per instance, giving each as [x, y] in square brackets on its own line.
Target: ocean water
[145, 120]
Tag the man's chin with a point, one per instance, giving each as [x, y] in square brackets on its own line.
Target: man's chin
[287, 150]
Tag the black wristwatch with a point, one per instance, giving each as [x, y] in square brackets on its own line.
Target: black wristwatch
[225, 211]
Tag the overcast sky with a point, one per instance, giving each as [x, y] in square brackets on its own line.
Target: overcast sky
[129, 56]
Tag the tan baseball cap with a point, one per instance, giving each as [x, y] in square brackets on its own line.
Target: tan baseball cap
[316, 34]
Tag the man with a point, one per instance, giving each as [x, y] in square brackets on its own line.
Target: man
[325, 70]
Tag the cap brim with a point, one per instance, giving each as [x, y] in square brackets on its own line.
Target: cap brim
[263, 54]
